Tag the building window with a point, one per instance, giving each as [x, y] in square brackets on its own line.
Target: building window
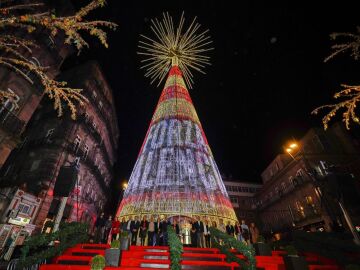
[24, 209]
[35, 165]
[77, 143]
[77, 160]
[234, 199]
[300, 209]
[94, 94]
[309, 200]
[10, 104]
[86, 151]
[100, 105]
[50, 43]
[49, 133]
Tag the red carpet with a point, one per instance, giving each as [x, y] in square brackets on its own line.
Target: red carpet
[155, 258]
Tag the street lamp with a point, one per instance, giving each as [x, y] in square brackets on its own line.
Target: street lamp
[124, 186]
[291, 148]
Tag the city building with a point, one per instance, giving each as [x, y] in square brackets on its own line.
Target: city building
[16, 111]
[242, 196]
[294, 192]
[52, 142]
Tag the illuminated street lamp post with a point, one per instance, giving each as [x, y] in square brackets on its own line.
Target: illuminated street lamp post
[290, 150]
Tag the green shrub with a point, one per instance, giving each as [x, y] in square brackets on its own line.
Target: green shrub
[291, 250]
[352, 267]
[98, 262]
[124, 234]
[36, 248]
[115, 244]
[261, 239]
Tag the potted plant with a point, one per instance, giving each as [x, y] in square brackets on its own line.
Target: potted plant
[98, 262]
[261, 247]
[112, 254]
[124, 240]
[293, 261]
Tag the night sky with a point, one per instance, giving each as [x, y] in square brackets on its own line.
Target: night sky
[267, 75]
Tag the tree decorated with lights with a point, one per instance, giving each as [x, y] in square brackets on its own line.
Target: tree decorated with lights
[16, 49]
[350, 94]
[175, 173]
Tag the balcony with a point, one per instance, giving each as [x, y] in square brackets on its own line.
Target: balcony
[59, 142]
[88, 123]
[297, 183]
[88, 160]
[10, 122]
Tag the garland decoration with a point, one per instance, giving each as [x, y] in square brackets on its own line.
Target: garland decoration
[36, 248]
[229, 242]
[176, 248]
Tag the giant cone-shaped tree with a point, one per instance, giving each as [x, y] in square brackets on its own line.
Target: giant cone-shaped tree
[175, 173]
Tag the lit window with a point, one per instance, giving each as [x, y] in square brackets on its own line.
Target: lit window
[24, 208]
[309, 200]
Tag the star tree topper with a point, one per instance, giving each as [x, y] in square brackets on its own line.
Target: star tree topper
[170, 46]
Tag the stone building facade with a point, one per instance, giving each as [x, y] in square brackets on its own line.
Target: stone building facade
[242, 197]
[293, 194]
[16, 112]
[52, 142]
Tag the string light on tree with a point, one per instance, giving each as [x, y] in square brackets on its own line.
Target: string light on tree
[175, 173]
[17, 51]
[171, 45]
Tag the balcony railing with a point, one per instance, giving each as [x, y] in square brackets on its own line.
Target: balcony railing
[10, 122]
[298, 182]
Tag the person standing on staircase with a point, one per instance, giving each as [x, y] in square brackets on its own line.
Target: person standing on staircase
[151, 231]
[230, 229]
[134, 227]
[108, 225]
[144, 226]
[207, 234]
[99, 228]
[199, 226]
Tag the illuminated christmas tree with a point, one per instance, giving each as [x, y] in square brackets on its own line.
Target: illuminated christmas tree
[175, 173]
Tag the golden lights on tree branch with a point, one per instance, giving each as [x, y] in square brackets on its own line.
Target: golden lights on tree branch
[350, 94]
[25, 16]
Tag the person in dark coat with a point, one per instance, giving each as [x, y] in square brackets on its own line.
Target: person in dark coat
[193, 234]
[164, 224]
[176, 227]
[108, 225]
[199, 227]
[144, 225]
[134, 227]
[230, 229]
[157, 232]
[99, 228]
[207, 234]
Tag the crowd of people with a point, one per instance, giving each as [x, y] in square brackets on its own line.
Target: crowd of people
[154, 231]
